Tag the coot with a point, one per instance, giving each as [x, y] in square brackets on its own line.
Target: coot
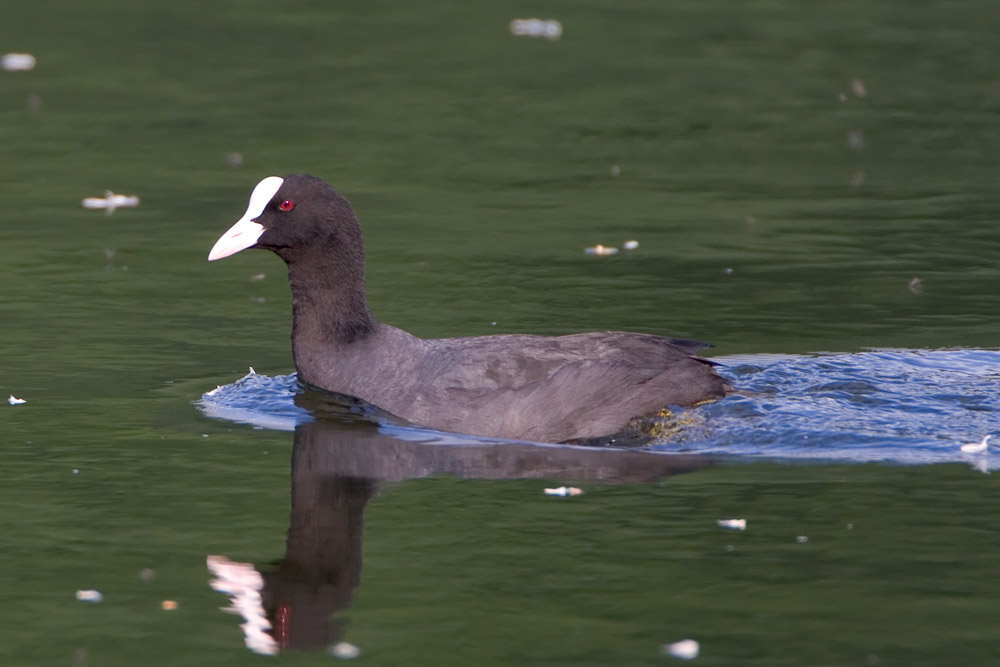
[541, 388]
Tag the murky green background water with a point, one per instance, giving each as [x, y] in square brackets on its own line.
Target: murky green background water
[779, 208]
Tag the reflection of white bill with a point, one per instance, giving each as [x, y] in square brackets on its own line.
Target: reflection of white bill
[242, 583]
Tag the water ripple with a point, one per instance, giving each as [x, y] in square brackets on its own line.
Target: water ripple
[259, 400]
[902, 406]
[896, 406]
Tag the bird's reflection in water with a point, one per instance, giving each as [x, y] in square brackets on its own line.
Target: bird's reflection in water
[336, 467]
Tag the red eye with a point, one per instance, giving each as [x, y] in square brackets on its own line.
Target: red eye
[286, 205]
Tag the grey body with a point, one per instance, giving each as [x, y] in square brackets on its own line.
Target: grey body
[547, 389]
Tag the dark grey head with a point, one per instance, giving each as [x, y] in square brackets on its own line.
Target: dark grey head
[290, 214]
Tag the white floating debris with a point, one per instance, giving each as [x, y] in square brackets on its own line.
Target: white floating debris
[856, 139]
[549, 28]
[18, 62]
[89, 596]
[616, 170]
[564, 491]
[601, 250]
[732, 524]
[916, 286]
[630, 245]
[110, 201]
[685, 649]
[801, 539]
[14, 400]
[972, 447]
[345, 651]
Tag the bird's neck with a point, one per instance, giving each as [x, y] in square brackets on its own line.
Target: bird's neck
[329, 305]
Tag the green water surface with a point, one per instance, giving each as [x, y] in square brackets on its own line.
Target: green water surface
[789, 170]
